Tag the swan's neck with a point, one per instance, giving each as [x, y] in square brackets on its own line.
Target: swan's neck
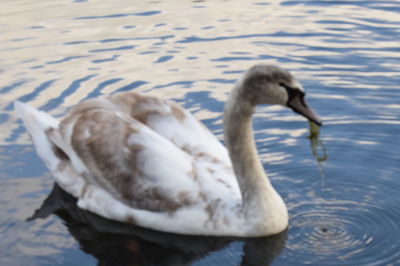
[259, 197]
[239, 139]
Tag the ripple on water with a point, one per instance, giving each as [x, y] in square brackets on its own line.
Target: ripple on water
[343, 231]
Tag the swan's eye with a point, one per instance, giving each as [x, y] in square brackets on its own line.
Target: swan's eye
[291, 90]
[283, 85]
[294, 93]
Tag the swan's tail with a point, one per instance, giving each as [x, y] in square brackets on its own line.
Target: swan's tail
[38, 124]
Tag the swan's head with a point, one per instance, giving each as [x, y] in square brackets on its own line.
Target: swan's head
[268, 84]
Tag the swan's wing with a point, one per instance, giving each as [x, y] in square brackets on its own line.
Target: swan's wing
[173, 122]
[113, 145]
[165, 117]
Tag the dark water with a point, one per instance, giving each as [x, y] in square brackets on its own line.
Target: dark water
[341, 190]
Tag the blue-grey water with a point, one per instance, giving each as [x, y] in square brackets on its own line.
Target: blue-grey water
[341, 189]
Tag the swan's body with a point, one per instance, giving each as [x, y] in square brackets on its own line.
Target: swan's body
[142, 160]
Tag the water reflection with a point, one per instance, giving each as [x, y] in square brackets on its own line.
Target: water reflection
[114, 243]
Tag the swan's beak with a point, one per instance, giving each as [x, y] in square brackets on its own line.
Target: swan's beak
[300, 106]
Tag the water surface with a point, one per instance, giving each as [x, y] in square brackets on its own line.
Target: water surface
[341, 190]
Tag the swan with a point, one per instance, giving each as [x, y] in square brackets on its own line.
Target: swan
[146, 161]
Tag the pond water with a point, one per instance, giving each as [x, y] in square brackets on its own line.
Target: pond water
[341, 189]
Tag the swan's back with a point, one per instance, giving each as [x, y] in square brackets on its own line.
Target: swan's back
[129, 157]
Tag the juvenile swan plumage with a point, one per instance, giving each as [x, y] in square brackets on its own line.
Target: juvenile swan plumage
[143, 160]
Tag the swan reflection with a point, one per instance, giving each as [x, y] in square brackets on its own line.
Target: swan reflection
[115, 243]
